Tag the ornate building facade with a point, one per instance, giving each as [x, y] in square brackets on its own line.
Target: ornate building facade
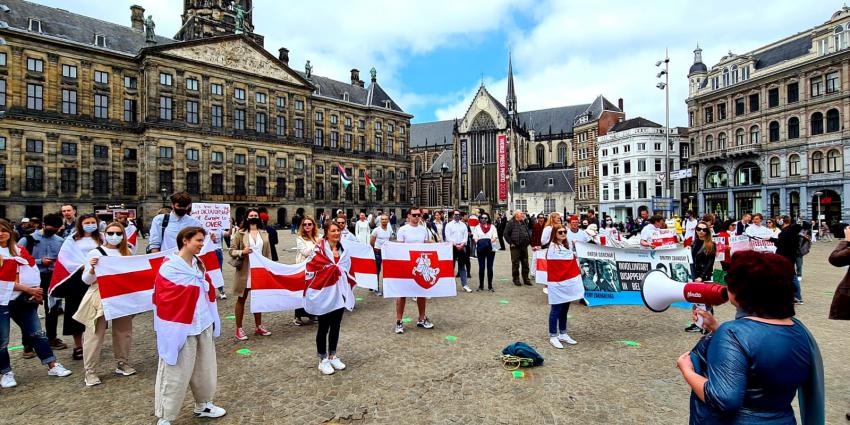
[770, 127]
[100, 114]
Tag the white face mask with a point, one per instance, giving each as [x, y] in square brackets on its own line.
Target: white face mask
[114, 239]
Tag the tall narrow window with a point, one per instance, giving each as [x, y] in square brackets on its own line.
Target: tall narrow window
[69, 102]
[217, 115]
[793, 128]
[101, 106]
[166, 108]
[833, 123]
[35, 97]
[817, 123]
[773, 130]
[192, 116]
[260, 122]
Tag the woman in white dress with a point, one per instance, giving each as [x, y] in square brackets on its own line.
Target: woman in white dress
[561, 293]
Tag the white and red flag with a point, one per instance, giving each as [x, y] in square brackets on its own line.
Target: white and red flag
[126, 283]
[665, 238]
[364, 270]
[418, 270]
[132, 236]
[20, 268]
[275, 286]
[329, 282]
[210, 259]
[557, 267]
[178, 290]
[70, 259]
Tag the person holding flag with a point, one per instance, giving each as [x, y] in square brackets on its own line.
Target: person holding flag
[329, 293]
[564, 282]
[185, 320]
[91, 313]
[19, 300]
[251, 237]
[67, 280]
[413, 232]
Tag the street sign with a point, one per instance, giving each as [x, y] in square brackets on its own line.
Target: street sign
[662, 204]
[822, 217]
[681, 174]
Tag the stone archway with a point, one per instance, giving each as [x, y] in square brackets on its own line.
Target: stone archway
[829, 208]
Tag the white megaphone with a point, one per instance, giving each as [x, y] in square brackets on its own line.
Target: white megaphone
[659, 291]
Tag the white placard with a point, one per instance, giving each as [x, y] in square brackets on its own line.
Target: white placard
[212, 216]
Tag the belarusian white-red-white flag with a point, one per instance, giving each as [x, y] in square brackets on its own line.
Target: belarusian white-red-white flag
[178, 288]
[418, 270]
[363, 266]
[275, 286]
[20, 268]
[126, 283]
[70, 259]
[132, 236]
[665, 238]
[210, 259]
[557, 267]
[329, 282]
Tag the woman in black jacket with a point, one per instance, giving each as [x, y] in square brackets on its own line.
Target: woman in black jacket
[703, 252]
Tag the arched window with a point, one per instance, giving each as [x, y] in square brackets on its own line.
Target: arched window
[793, 128]
[840, 37]
[540, 155]
[774, 167]
[773, 130]
[709, 143]
[725, 77]
[833, 161]
[817, 123]
[716, 177]
[754, 135]
[739, 137]
[734, 74]
[748, 174]
[721, 141]
[794, 204]
[794, 165]
[562, 154]
[817, 162]
[391, 193]
[833, 123]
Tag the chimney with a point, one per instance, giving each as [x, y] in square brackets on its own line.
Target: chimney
[355, 77]
[137, 17]
[620, 104]
[283, 55]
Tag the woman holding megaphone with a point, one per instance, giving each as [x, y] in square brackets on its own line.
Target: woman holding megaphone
[748, 370]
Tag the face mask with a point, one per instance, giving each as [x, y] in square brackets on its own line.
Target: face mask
[780, 222]
[114, 239]
[485, 220]
[180, 212]
[456, 217]
[254, 221]
[89, 228]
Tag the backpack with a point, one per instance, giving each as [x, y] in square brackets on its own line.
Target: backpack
[31, 243]
[525, 351]
[805, 243]
[162, 231]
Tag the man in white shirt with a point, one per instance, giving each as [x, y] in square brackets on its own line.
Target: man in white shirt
[757, 230]
[690, 227]
[413, 232]
[345, 236]
[178, 219]
[381, 234]
[655, 223]
[362, 229]
[574, 234]
[456, 232]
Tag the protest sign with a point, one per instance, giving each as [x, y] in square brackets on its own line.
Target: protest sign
[719, 248]
[613, 276]
[665, 238]
[214, 217]
[759, 245]
[739, 243]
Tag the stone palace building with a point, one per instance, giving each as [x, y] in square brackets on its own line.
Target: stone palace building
[99, 114]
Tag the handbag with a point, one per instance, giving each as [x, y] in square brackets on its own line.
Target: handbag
[237, 244]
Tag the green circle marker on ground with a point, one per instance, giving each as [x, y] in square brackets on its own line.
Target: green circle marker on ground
[406, 320]
[451, 338]
[359, 299]
[630, 343]
[569, 316]
[230, 317]
[503, 301]
[243, 351]
[518, 374]
[16, 347]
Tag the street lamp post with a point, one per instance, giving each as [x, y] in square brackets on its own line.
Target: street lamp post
[818, 194]
[666, 87]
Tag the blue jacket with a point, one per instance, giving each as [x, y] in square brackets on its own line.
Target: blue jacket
[44, 247]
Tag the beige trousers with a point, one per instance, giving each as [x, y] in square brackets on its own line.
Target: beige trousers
[196, 367]
[122, 336]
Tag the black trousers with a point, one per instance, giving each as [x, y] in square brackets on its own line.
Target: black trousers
[51, 316]
[329, 324]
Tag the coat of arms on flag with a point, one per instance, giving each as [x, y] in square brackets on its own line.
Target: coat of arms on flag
[418, 270]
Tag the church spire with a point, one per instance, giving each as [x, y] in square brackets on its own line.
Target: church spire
[511, 99]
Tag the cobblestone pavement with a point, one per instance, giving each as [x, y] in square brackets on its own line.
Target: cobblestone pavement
[422, 377]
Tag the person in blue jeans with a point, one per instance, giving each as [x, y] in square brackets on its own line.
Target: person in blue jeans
[22, 306]
[485, 237]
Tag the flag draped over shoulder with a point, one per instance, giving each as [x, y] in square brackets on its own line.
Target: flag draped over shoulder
[211, 264]
[20, 268]
[132, 237]
[558, 268]
[70, 259]
[275, 286]
[418, 270]
[126, 283]
[329, 283]
[178, 290]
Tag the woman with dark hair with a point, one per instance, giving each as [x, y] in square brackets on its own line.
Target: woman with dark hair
[703, 251]
[561, 293]
[329, 293]
[251, 237]
[485, 236]
[86, 238]
[748, 370]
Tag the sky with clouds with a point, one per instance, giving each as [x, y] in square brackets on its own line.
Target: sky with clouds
[432, 55]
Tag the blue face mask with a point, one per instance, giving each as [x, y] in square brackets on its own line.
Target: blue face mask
[90, 228]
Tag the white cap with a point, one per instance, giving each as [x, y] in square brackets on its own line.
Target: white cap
[25, 220]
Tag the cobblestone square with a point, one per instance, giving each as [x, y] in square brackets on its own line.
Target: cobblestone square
[423, 377]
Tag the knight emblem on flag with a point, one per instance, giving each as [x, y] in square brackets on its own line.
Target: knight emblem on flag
[427, 275]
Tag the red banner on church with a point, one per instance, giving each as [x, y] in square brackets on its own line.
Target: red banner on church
[502, 146]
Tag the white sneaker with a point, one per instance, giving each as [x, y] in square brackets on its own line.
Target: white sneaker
[58, 370]
[8, 380]
[556, 342]
[399, 328]
[209, 410]
[337, 363]
[566, 338]
[546, 290]
[222, 296]
[325, 367]
[163, 422]
[466, 288]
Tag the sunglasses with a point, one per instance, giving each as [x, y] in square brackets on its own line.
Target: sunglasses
[114, 233]
[415, 215]
[562, 232]
[308, 224]
[701, 229]
[340, 223]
